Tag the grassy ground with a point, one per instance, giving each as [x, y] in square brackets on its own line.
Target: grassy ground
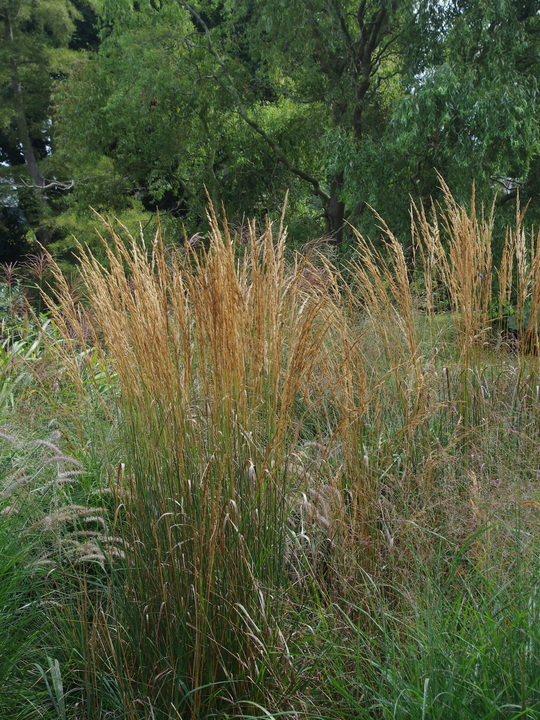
[239, 486]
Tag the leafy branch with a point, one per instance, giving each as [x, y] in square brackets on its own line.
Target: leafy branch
[230, 87]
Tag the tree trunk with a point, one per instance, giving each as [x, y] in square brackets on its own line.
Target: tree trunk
[335, 210]
[20, 115]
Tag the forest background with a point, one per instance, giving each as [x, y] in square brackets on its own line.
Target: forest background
[129, 107]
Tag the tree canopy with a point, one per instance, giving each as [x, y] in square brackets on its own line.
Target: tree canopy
[345, 103]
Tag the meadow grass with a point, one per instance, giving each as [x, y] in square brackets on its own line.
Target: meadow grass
[284, 493]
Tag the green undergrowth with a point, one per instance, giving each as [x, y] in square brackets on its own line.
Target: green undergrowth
[463, 645]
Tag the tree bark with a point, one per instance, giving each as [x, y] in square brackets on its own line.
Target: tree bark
[335, 210]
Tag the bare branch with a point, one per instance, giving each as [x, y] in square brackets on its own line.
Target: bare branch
[50, 184]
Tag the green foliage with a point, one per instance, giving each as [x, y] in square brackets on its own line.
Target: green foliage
[36, 52]
[167, 126]
[20, 617]
[468, 103]
[233, 105]
[463, 645]
[344, 104]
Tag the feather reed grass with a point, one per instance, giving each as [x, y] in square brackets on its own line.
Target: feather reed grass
[280, 434]
[222, 362]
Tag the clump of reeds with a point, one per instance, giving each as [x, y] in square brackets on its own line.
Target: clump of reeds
[519, 285]
[253, 434]
[455, 246]
[224, 364]
[457, 254]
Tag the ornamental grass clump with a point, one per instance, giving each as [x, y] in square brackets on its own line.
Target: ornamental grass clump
[223, 364]
[519, 285]
[456, 250]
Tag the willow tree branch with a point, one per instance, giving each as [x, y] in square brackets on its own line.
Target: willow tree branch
[230, 87]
